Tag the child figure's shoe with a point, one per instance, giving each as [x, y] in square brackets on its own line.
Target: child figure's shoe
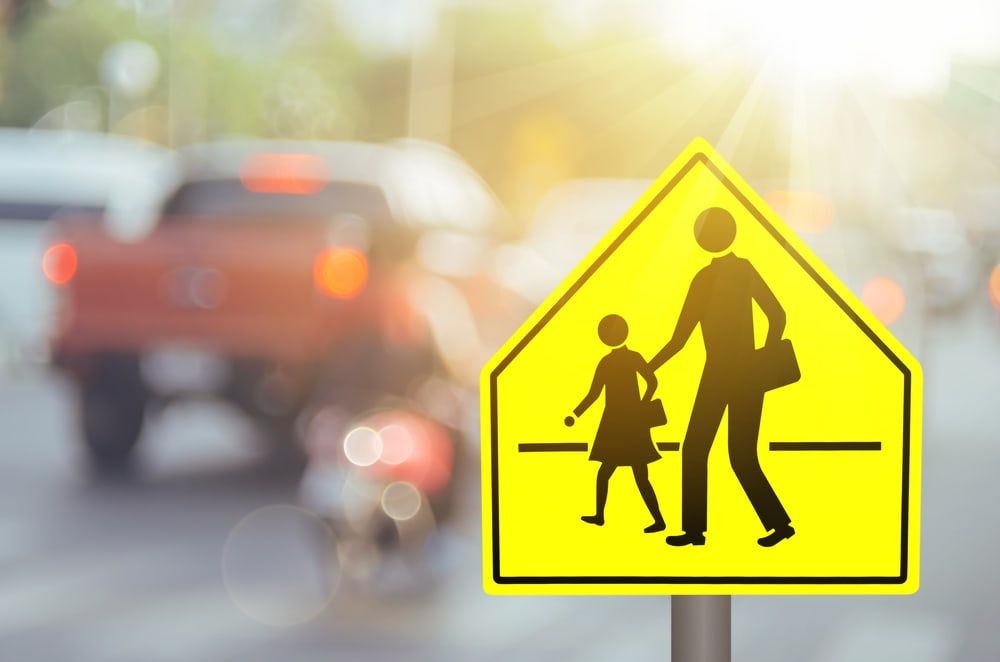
[658, 525]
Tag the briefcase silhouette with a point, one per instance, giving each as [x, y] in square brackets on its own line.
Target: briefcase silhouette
[775, 365]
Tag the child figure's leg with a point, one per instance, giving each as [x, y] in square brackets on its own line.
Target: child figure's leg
[603, 476]
[641, 473]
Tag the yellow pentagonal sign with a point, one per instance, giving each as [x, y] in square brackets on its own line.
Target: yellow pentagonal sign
[701, 407]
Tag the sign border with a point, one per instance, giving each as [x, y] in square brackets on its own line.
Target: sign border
[701, 157]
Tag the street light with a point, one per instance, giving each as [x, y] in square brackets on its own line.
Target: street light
[129, 69]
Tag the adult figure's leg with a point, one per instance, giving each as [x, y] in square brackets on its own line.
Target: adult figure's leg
[641, 473]
[744, 429]
[603, 476]
[706, 416]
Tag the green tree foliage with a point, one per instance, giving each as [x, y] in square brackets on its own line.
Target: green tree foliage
[265, 68]
[529, 105]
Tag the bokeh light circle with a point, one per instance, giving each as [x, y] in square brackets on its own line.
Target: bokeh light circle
[363, 446]
[885, 298]
[401, 501]
[397, 444]
[279, 565]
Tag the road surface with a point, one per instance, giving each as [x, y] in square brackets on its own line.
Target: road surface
[142, 570]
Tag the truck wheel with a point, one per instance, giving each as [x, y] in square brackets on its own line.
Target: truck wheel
[111, 428]
[112, 412]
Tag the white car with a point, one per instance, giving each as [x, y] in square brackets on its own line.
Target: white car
[49, 174]
[939, 244]
[569, 221]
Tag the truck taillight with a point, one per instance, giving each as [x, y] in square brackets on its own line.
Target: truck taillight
[341, 272]
[59, 263]
[290, 174]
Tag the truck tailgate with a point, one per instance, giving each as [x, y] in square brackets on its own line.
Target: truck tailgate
[240, 286]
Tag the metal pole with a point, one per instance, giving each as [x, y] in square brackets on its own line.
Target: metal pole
[432, 73]
[701, 628]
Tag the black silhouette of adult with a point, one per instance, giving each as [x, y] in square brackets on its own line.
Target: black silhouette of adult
[623, 438]
[720, 299]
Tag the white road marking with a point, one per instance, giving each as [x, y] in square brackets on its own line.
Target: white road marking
[64, 587]
[197, 624]
[878, 636]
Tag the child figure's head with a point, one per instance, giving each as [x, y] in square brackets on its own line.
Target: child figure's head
[613, 330]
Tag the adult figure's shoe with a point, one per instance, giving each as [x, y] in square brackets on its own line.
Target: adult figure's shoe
[686, 539]
[594, 519]
[776, 536]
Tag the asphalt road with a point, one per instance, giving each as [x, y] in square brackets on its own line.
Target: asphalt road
[149, 568]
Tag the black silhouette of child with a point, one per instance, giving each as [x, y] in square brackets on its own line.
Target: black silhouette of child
[623, 438]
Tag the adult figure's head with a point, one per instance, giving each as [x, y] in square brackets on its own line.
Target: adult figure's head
[715, 229]
[612, 330]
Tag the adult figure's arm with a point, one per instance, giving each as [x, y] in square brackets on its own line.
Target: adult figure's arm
[768, 303]
[690, 315]
[646, 371]
[595, 390]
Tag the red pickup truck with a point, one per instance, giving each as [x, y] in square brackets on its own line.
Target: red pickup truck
[277, 271]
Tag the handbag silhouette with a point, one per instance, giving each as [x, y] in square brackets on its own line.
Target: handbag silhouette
[653, 414]
[775, 365]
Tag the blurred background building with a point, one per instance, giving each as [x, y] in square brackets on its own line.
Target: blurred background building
[184, 181]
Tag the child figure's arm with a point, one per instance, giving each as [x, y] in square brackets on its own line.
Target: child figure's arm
[595, 390]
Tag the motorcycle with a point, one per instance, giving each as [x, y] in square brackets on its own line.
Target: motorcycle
[384, 483]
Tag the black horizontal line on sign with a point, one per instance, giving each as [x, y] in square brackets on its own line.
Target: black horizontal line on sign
[553, 447]
[577, 447]
[583, 447]
[826, 445]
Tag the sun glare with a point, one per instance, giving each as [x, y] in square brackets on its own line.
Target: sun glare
[897, 45]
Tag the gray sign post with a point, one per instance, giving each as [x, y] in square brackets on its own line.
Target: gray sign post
[701, 628]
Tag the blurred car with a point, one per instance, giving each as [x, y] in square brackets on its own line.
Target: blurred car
[568, 222]
[938, 244]
[48, 174]
[980, 206]
[284, 278]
